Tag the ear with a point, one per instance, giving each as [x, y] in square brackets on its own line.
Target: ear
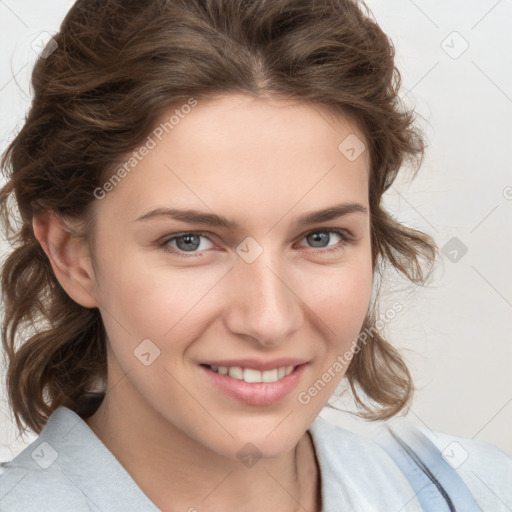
[69, 257]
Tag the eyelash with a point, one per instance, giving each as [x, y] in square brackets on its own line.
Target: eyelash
[346, 239]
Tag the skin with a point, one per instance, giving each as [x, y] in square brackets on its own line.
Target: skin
[262, 162]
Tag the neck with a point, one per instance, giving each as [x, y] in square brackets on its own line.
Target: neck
[176, 472]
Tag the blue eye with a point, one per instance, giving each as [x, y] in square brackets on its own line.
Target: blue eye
[325, 235]
[186, 244]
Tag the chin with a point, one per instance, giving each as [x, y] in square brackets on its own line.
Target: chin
[268, 442]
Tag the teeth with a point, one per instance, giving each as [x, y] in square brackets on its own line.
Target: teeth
[236, 372]
[250, 375]
[269, 375]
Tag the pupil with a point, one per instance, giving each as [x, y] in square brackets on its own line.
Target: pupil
[185, 246]
[321, 235]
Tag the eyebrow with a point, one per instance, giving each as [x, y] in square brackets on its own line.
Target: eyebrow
[212, 219]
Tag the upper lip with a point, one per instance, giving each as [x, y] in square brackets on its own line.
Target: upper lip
[257, 364]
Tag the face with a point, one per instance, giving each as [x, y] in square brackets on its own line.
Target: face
[267, 289]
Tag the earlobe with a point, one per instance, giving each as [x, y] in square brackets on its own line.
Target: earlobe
[69, 257]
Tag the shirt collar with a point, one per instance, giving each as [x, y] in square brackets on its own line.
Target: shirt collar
[355, 474]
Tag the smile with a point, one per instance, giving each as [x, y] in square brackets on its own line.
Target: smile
[251, 375]
[251, 386]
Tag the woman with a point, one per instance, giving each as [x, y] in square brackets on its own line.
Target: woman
[199, 185]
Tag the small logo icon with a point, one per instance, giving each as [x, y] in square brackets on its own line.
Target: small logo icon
[454, 45]
[146, 352]
[249, 249]
[249, 455]
[44, 44]
[454, 249]
[352, 147]
[45, 455]
[455, 454]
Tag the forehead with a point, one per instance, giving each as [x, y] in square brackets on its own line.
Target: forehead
[248, 154]
[227, 123]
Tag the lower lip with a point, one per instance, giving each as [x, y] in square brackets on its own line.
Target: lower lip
[258, 393]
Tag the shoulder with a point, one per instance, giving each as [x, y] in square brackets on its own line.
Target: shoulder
[357, 474]
[359, 461]
[68, 468]
[33, 477]
[484, 468]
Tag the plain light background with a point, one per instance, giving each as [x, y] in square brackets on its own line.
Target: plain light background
[454, 57]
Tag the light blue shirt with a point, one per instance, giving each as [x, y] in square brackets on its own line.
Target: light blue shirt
[67, 468]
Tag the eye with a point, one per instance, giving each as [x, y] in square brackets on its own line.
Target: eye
[189, 243]
[185, 243]
[323, 236]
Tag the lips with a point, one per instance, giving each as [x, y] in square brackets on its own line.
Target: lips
[244, 380]
[256, 364]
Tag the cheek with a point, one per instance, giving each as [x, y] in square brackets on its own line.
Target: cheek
[167, 303]
[340, 307]
[340, 299]
[163, 303]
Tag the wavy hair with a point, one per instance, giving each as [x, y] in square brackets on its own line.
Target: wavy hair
[117, 66]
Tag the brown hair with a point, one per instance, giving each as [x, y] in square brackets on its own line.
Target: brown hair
[117, 66]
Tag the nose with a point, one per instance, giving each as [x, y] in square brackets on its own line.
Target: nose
[262, 301]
